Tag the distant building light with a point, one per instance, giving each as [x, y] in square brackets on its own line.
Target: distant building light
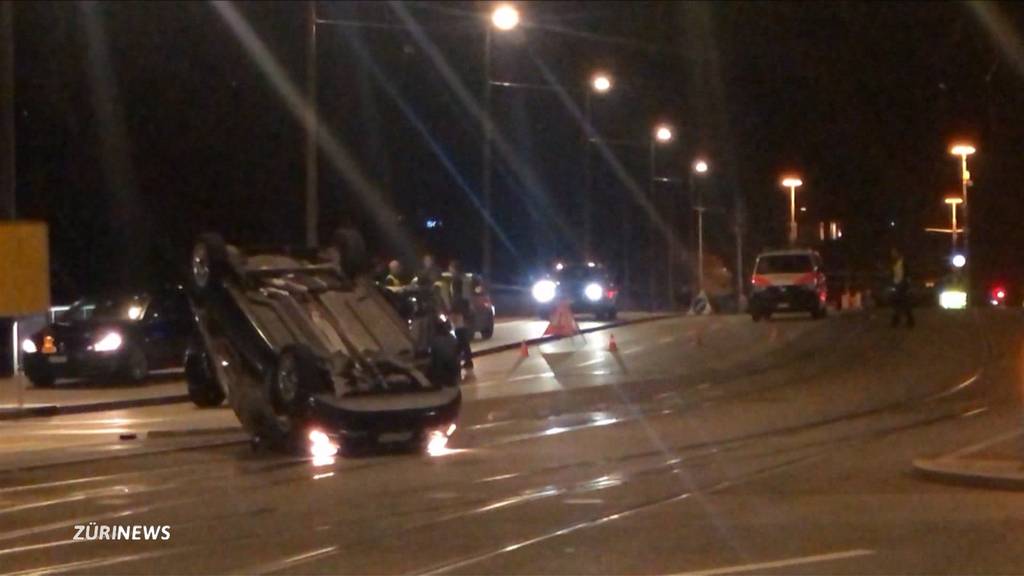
[433, 223]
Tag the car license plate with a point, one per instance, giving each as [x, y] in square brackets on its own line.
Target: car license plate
[389, 437]
[57, 359]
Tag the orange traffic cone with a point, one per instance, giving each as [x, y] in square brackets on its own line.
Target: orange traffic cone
[612, 346]
[524, 350]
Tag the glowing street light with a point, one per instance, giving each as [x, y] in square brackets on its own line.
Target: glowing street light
[663, 133]
[601, 83]
[953, 202]
[963, 150]
[792, 182]
[700, 166]
[505, 17]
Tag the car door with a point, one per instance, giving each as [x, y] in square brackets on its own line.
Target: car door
[166, 327]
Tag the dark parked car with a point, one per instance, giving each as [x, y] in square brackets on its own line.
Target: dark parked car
[116, 336]
[587, 286]
[306, 348]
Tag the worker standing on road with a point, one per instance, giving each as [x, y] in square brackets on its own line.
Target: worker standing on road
[429, 273]
[902, 307]
[394, 277]
[454, 292]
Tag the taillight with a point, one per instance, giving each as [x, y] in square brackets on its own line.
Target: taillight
[759, 280]
[611, 292]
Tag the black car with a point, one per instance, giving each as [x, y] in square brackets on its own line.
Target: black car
[125, 336]
[587, 286]
[309, 353]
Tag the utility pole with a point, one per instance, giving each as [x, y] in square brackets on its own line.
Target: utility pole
[7, 139]
[7, 164]
[312, 169]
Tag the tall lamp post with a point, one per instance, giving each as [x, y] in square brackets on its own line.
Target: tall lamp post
[792, 182]
[600, 83]
[700, 168]
[662, 135]
[312, 169]
[953, 201]
[963, 150]
[504, 18]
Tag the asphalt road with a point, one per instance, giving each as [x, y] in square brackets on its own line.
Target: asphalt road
[704, 445]
[18, 392]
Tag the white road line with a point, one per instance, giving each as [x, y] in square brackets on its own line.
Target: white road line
[760, 566]
[984, 444]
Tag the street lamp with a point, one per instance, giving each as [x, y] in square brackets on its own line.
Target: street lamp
[700, 167]
[662, 134]
[953, 201]
[600, 84]
[963, 150]
[504, 18]
[792, 182]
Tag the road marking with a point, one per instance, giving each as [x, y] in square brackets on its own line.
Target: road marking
[760, 566]
[983, 444]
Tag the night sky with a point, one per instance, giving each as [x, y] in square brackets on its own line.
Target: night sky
[140, 125]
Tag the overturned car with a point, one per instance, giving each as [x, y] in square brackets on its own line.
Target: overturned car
[309, 353]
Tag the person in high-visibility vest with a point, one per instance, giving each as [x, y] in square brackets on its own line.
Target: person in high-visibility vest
[454, 291]
[394, 277]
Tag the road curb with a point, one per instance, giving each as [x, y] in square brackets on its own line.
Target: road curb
[545, 339]
[50, 410]
[1002, 474]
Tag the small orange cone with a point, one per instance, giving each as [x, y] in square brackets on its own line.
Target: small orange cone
[524, 350]
[612, 346]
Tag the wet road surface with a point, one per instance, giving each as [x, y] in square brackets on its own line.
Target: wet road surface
[708, 445]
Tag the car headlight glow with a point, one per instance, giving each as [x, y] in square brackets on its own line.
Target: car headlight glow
[593, 291]
[953, 299]
[28, 346]
[544, 291]
[111, 341]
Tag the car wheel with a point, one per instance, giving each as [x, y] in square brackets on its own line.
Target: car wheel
[209, 262]
[295, 377]
[137, 367]
[755, 316]
[611, 314]
[818, 313]
[352, 251]
[488, 332]
[42, 379]
[203, 389]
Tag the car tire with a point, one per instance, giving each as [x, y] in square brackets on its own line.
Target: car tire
[611, 315]
[351, 251]
[203, 388]
[755, 316]
[295, 377]
[818, 313]
[488, 331]
[42, 379]
[209, 262]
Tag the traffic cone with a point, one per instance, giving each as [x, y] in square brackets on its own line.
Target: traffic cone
[612, 346]
[524, 350]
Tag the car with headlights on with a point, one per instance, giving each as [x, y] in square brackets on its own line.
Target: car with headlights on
[127, 336]
[587, 287]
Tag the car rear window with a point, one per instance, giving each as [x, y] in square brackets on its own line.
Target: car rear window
[785, 264]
